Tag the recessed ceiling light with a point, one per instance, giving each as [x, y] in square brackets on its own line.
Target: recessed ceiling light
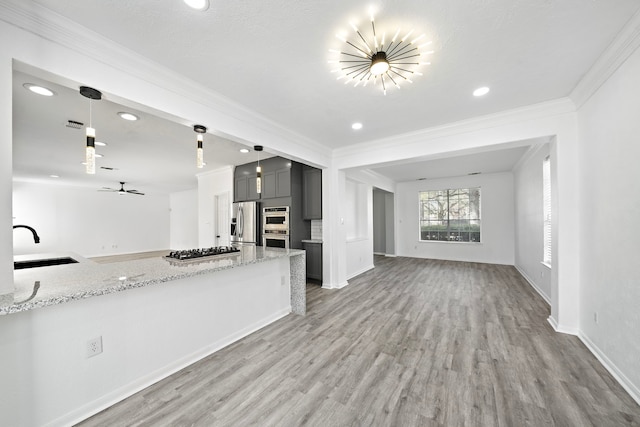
[201, 5]
[101, 144]
[128, 116]
[356, 126]
[244, 150]
[54, 176]
[40, 90]
[481, 91]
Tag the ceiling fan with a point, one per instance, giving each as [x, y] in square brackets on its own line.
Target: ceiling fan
[122, 191]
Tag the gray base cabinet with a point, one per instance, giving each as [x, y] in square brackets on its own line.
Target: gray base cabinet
[314, 260]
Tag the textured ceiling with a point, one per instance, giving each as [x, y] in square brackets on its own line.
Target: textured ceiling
[272, 56]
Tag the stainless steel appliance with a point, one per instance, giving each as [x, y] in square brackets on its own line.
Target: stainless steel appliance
[275, 227]
[244, 223]
[275, 218]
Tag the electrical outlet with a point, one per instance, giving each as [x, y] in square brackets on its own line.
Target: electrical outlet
[595, 317]
[94, 347]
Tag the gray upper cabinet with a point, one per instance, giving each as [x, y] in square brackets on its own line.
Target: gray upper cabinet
[240, 189]
[245, 188]
[311, 193]
[283, 182]
[269, 185]
[276, 180]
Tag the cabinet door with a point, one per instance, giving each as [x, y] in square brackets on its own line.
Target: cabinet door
[283, 183]
[314, 260]
[252, 189]
[268, 185]
[312, 194]
[240, 189]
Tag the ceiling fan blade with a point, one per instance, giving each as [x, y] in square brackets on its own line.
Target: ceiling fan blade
[135, 192]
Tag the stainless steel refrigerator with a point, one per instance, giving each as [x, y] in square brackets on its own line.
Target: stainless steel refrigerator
[244, 223]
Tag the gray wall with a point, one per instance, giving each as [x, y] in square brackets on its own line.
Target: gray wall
[383, 222]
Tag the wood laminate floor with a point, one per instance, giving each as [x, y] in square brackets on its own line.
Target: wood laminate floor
[413, 342]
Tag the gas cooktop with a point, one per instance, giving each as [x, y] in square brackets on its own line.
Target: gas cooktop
[190, 254]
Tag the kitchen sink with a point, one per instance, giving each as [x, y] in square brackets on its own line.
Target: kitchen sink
[19, 265]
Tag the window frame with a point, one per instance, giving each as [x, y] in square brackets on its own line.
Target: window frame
[547, 213]
[448, 191]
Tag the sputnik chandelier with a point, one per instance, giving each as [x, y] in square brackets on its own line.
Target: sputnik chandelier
[372, 58]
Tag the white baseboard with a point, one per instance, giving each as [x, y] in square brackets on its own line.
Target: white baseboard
[338, 286]
[563, 329]
[390, 255]
[362, 270]
[141, 383]
[534, 286]
[632, 389]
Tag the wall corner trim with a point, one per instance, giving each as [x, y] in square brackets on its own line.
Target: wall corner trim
[625, 43]
[336, 286]
[562, 328]
[632, 389]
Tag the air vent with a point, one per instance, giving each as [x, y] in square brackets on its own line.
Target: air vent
[74, 125]
[421, 179]
[474, 173]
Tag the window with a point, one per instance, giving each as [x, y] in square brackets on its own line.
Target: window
[450, 215]
[546, 209]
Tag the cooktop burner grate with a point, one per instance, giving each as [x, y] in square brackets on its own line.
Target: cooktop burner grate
[190, 254]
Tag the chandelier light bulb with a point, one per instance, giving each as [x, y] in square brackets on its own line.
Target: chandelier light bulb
[200, 153]
[200, 130]
[379, 64]
[200, 5]
[90, 151]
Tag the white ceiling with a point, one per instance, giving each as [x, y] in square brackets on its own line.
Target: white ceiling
[151, 154]
[500, 160]
[272, 56]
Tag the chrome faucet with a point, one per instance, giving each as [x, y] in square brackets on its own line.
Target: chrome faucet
[36, 238]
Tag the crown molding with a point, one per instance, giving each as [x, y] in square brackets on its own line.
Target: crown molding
[44, 23]
[530, 112]
[622, 47]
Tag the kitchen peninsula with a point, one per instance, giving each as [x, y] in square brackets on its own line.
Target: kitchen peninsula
[86, 279]
[152, 317]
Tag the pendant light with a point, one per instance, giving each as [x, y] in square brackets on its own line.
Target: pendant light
[200, 130]
[90, 150]
[258, 148]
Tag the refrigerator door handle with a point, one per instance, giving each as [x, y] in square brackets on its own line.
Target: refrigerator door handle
[240, 226]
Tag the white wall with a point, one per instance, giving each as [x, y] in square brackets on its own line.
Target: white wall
[529, 222]
[88, 222]
[209, 184]
[609, 125]
[147, 334]
[497, 220]
[183, 219]
[358, 204]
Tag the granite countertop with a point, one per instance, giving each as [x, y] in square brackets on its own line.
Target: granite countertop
[69, 282]
[312, 241]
